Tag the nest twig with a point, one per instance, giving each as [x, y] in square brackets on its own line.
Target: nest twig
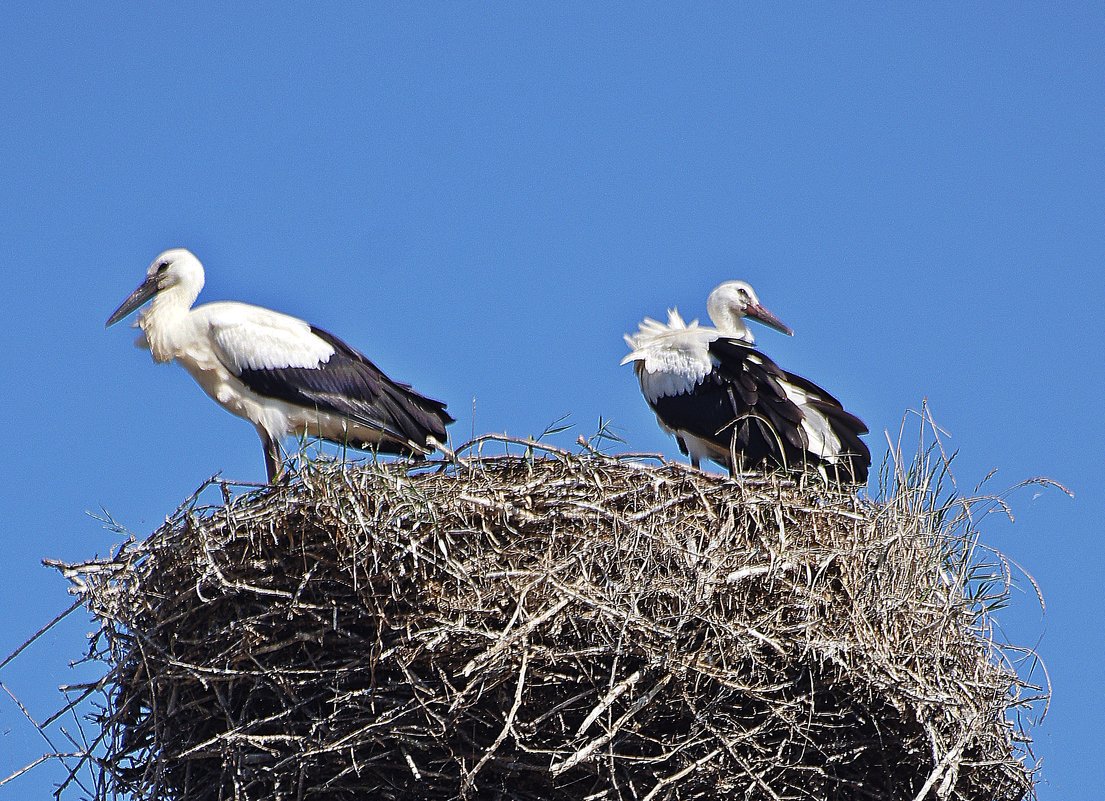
[553, 626]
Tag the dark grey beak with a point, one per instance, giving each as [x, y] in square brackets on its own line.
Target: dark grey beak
[758, 312]
[146, 290]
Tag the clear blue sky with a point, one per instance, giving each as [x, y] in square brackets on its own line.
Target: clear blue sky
[484, 198]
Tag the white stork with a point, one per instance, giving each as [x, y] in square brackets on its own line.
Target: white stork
[282, 374]
[724, 400]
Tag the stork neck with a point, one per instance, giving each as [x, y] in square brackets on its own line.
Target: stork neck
[729, 323]
[165, 322]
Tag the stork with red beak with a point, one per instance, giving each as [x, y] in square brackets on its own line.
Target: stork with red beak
[725, 401]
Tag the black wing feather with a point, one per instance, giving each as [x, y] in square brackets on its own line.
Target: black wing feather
[352, 386]
[743, 402]
[847, 427]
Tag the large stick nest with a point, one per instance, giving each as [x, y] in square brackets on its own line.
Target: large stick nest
[564, 627]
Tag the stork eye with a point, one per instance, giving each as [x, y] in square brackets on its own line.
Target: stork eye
[163, 266]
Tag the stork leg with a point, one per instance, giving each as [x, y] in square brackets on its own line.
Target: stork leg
[274, 462]
[683, 449]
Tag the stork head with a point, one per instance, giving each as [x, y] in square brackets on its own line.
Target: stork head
[731, 302]
[175, 271]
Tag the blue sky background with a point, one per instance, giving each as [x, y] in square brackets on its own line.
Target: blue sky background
[484, 198]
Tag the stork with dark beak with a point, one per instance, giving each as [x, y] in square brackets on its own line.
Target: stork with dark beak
[283, 375]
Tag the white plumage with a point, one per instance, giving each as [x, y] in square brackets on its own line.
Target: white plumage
[252, 338]
[280, 373]
[675, 358]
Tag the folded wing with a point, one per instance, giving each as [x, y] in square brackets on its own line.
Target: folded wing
[285, 358]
